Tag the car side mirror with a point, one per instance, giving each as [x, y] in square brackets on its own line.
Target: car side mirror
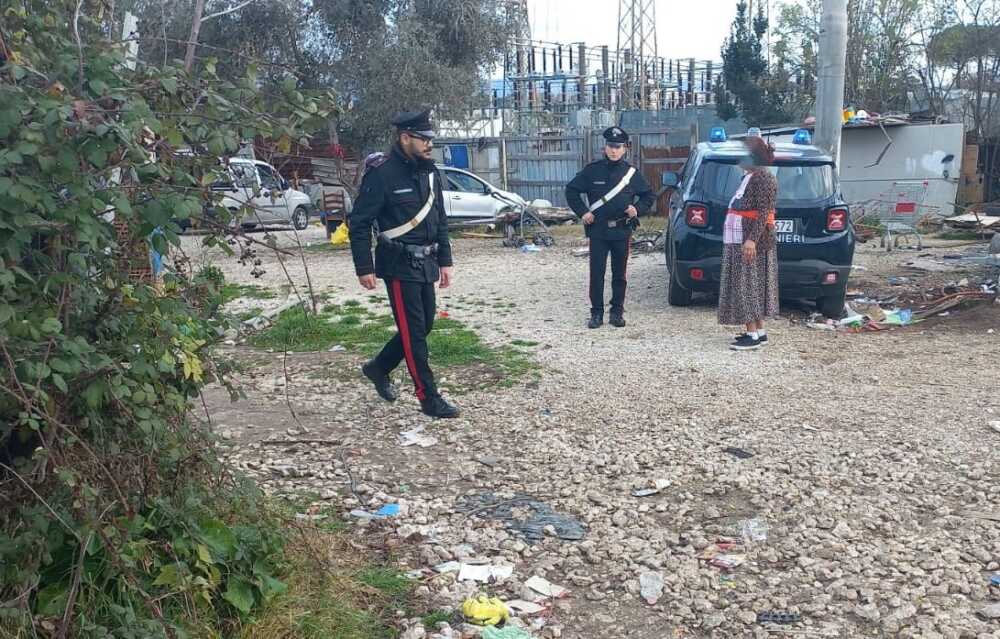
[670, 179]
[487, 190]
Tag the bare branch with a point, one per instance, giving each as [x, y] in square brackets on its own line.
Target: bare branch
[227, 11]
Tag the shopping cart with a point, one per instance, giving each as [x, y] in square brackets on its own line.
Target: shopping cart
[899, 210]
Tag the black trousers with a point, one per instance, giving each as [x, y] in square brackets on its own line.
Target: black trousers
[599, 251]
[413, 307]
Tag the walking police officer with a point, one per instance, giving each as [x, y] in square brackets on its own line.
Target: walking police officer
[616, 195]
[401, 199]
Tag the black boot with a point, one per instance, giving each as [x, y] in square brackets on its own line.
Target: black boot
[438, 407]
[383, 385]
[596, 320]
[617, 319]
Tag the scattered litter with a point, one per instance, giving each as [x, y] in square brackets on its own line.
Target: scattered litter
[485, 611]
[488, 460]
[945, 314]
[339, 348]
[531, 248]
[990, 612]
[829, 325]
[769, 616]
[738, 453]
[995, 580]
[414, 574]
[416, 437]
[448, 566]
[389, 510]
[645, 492]
[858, 267]
[995, 427]
[651, 587]
[309, 517]
[580, 252]
[898, 281]
[533, 526]
[728, 561]
[753, 530]
[898, 317]
[525, 607]
[546, 588]
[507, 632]
[443, 315]
[484, 572]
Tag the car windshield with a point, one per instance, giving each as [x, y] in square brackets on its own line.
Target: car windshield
[719, 180]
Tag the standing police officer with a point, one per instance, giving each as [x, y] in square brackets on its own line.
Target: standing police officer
[616, 195]
[401, 199]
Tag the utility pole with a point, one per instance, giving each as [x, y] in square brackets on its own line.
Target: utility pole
[637, 46]
[831, 64]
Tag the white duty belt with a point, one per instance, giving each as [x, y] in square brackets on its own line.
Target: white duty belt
[610, 195]
[408, 226]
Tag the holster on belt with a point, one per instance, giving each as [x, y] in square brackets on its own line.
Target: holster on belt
[416, 252]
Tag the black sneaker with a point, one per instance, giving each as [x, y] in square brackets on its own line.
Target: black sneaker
[762, 340]
[617, 320]
[383, 385]
[439, 408]
[745, 343]
[596, 321]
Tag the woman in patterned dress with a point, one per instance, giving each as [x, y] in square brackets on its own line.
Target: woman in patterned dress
[748, 291]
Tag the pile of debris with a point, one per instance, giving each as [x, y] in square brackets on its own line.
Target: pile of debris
[865, 314]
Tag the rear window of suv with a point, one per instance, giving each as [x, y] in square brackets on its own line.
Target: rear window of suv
[719, 180]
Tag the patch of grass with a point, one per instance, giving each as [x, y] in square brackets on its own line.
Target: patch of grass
[323, 601]
[452, 344]
[965, 235]
[392, 584]
[299, 331]
[523, 342]
[249, 313]
[432, 619]
[232, 291]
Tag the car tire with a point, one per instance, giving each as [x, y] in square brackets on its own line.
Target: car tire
[677, 295]
[300, 218]
[832, 306]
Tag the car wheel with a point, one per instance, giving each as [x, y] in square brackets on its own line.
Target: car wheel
[677, 295]
[300, 218]
[832, 306]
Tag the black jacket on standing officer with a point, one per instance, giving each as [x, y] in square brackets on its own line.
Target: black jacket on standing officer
[401, 203]
[611, 229]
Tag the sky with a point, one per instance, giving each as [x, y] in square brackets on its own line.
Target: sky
[684, 28]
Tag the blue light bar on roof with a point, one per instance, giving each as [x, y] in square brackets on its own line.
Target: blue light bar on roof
[802, 137]
[717, 134]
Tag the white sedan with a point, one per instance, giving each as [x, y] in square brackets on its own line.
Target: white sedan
[469, 197]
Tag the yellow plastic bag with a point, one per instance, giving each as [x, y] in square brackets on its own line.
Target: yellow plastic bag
[485, 611]
[340, 235]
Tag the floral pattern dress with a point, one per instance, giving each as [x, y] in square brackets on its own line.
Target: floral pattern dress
[749, 292]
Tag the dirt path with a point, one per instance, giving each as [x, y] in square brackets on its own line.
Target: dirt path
[870, 451]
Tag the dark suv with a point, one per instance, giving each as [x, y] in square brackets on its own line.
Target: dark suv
[815, 237]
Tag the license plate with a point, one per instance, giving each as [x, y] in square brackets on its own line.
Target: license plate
[784, 226]
[785, 232]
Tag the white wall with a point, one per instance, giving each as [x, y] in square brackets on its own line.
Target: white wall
[914, 157]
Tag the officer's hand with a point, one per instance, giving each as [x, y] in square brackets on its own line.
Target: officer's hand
[368, 281]
[445, 277]
[588, 218]
[631, 211]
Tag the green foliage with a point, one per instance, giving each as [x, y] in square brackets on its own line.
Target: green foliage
[116, 517]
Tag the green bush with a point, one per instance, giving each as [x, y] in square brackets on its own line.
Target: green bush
[116, 517]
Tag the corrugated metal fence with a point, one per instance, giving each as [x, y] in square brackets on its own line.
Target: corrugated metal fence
[540, 167]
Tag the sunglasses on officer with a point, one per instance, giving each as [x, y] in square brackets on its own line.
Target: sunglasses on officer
[416, 136]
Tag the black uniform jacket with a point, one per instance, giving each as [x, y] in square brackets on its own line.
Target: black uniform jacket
[596, 179]
[392, 193]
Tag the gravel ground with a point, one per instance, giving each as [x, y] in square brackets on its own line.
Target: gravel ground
[873, 463]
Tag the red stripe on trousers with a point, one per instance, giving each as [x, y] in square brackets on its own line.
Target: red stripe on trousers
[628, 254]
[404, 335]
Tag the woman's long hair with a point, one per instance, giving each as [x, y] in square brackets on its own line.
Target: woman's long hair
[761, 152]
